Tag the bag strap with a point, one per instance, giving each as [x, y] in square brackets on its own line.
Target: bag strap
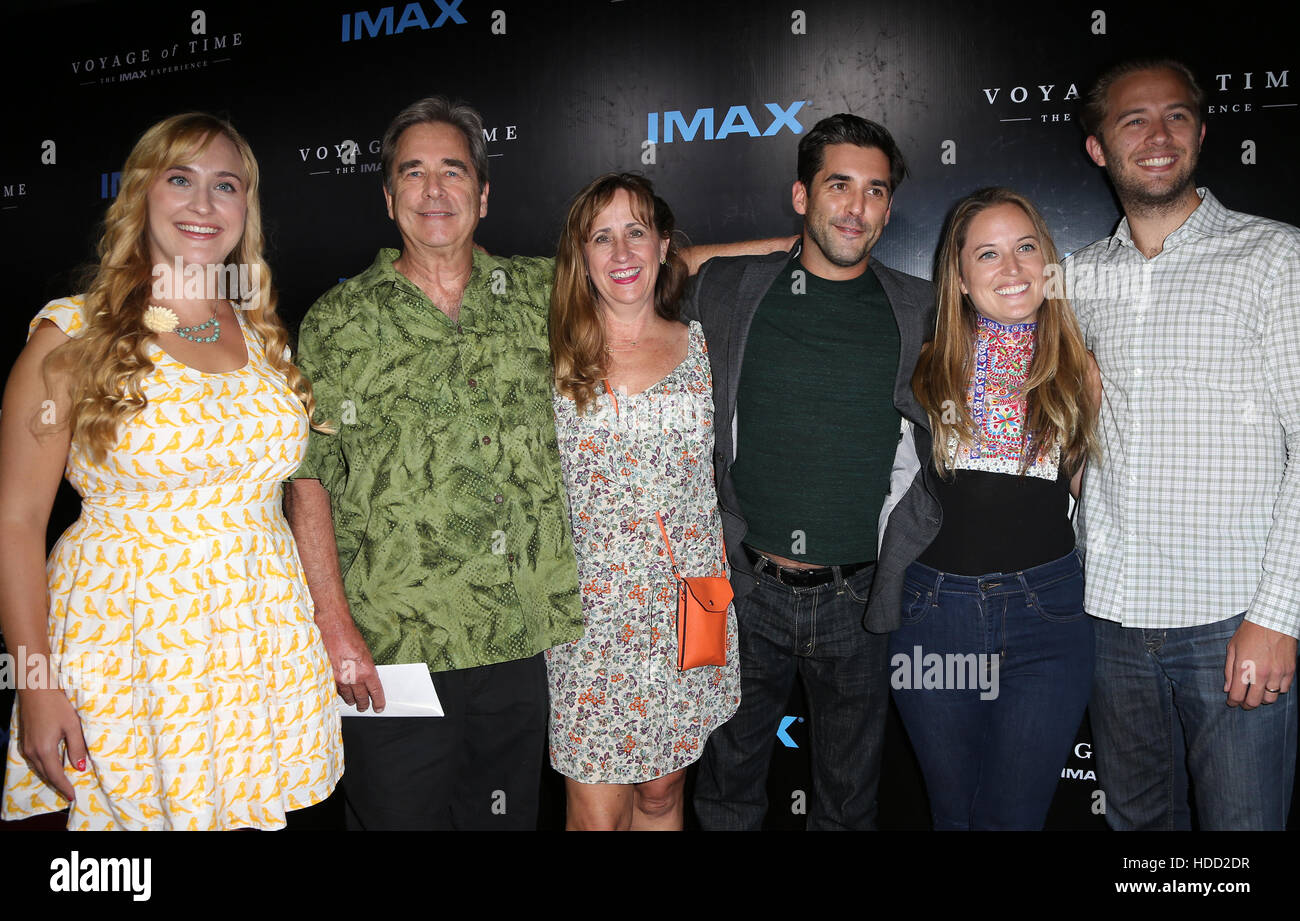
[658, 517]
[667, 546]
[613, 399]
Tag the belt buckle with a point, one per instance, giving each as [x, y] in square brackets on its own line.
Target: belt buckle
[776, 569]
[773, 567]
[805, 577]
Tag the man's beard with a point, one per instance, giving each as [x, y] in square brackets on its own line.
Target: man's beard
[1138, 196]
[841, 253]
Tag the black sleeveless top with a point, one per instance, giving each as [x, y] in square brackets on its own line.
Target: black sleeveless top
[1000, 522]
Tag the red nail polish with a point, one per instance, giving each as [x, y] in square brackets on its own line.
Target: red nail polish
[81, 764]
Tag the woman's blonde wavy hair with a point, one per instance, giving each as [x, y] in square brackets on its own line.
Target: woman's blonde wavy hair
[103, 368]
[576, 331]
[1059, 402]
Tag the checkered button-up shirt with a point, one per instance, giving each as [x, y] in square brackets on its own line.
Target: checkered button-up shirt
[1192, 514]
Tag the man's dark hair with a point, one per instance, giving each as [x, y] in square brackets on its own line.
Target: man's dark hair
[848, 129]
[437, 110]
[1093, 113]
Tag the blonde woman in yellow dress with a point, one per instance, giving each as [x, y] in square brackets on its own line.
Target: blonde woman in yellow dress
[192, 689]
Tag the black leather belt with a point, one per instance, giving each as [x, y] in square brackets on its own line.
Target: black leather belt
[800, 578]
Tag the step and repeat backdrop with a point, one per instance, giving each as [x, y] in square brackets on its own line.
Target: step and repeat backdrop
[707, 99]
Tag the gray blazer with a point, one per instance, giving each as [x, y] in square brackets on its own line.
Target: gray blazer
[723, 296]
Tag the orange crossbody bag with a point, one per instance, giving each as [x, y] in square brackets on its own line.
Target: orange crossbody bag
[701, 615]
[701, 606]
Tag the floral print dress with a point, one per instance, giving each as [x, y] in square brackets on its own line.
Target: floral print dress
[621, 712]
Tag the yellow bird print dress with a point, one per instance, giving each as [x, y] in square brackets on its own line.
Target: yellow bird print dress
[179, 615]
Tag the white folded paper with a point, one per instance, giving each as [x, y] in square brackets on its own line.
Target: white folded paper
[408, 691]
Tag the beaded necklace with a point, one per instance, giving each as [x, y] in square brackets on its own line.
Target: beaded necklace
[164, 320]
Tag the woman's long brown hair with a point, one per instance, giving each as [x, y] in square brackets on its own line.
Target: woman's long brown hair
[1059, 403]
[577, 334]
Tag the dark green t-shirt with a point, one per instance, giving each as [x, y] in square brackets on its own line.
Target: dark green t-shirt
[817, 427]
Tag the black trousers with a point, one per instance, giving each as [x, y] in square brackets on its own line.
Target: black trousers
[479, 767]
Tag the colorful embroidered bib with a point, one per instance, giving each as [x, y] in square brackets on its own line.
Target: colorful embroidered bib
[1003, 357]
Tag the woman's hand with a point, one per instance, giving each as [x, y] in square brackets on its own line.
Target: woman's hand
[48, 731]
[34, 440]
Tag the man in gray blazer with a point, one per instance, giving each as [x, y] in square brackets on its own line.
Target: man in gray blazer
[812, 354]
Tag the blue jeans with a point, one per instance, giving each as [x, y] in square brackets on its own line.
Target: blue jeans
[991, 677]
[818, 634]
[1160, 718]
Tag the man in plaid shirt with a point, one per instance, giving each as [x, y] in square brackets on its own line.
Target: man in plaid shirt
[1190, 522]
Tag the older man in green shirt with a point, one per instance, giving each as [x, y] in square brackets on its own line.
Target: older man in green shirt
[431, 522]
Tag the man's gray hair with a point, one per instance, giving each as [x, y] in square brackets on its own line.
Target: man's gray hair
[437, 110]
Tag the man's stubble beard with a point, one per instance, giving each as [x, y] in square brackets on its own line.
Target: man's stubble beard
[1136, 198]
[820, 231]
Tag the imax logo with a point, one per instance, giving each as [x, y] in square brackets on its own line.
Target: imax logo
[736, 121]
[783, 731]
[412, 17]
[108, 183]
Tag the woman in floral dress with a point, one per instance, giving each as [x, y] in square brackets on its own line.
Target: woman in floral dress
[634, 418]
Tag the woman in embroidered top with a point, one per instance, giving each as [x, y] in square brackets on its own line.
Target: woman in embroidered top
[192, 689]
[993, 663]
[634, 415]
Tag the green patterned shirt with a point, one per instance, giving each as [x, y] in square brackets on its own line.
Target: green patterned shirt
[444, 478]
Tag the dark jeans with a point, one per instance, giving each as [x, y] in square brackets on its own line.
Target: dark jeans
[1160, 717]
[479, 767]
[817, 633]
[991, 677]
